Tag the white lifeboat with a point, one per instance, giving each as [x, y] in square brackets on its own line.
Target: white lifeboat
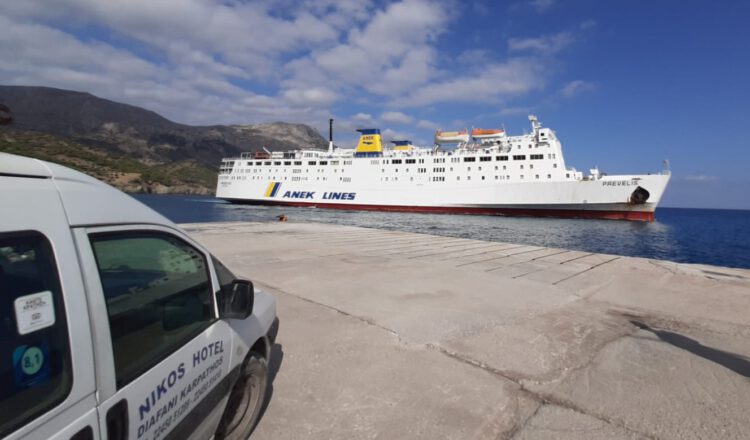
[451, 137]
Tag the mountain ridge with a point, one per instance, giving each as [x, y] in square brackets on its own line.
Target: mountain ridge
[64, 124]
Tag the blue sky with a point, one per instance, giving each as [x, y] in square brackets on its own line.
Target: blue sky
[625, 84]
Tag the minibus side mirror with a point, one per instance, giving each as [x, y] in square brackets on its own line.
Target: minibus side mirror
[236, 299]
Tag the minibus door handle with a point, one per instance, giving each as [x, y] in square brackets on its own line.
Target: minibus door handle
[117, 421]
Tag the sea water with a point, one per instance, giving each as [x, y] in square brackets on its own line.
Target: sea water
[706, 236]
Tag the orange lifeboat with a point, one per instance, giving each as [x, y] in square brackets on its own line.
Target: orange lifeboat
[487, 133]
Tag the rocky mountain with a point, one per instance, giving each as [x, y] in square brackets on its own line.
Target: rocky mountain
[78, 129]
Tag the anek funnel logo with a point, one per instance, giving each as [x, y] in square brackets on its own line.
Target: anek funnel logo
[272, 189]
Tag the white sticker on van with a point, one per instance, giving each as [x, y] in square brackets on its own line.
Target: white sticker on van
[34, 312]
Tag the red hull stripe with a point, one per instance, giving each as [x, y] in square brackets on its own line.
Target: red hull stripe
[643, 216]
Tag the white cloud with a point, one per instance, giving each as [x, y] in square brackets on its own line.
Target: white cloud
[493, 82]
[429, 125]
[576, 87]
[392, 54]
[393, 135]
[339, 14]
[364, 117]
[414, 69]
[701, 178]
[244, 34]
[184, 93]
[400, 27]
[541, 5]
[587, 24]
[474, 56]
[396, 118]
[230, 61]
[510, 111]
[547, 45]
[317, 96]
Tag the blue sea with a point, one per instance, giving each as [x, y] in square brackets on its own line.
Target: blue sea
[706, 236]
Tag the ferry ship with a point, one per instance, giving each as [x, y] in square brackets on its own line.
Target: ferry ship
[485, 171]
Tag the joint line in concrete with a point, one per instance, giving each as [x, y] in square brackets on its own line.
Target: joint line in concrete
[585, 270]
[577, 258]
[549, 255]
[543, 399]
[502, 247]
[473, 247]
[494, 258]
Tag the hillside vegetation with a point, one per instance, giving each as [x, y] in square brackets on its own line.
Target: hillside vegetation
[121, 171]
[132, 148]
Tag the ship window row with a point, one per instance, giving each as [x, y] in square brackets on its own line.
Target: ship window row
[228, 169]
[349, 179]
[383, 170]
[298, 163]
[227, 166]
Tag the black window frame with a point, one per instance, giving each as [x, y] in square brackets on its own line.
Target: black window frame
[141, 233]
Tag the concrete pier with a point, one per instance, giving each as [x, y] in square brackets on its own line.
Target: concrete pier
[395, 335]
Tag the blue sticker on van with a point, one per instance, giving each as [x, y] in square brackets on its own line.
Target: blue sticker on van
[31, 365]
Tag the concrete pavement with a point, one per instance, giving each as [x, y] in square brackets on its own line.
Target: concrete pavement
[390, 335]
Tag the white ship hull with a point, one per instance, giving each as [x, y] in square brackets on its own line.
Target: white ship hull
[608, 197]
[491, 181]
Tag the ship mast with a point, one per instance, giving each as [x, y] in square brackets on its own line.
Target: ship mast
[535, 125]
[330, 136]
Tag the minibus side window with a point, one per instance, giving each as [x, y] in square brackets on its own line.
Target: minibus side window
[158, 294]
[35, 367]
